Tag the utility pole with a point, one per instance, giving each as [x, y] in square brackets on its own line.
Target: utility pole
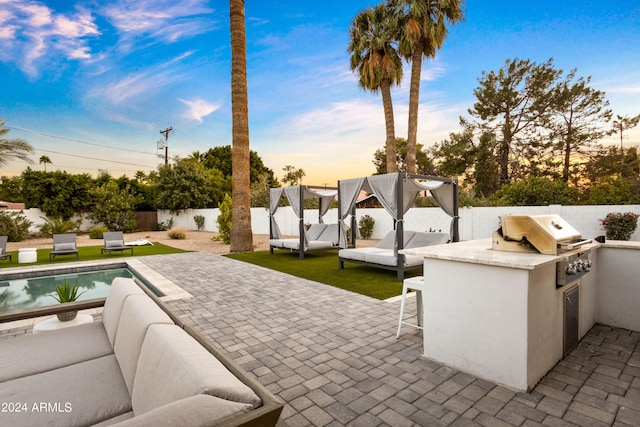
[166, 133]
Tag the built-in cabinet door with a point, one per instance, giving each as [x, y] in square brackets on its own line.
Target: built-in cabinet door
[571, 316]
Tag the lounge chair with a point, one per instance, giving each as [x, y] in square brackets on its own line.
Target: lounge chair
[64, 244]
[114, 241]
[3, 248]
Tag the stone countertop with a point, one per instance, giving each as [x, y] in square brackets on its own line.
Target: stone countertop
[480, 252]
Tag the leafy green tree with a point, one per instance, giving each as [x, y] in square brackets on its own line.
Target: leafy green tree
[423, 31]
[114, 208]
[14, 225]
[581, 113]
[293, 176]
[374, 57]
[423, 162]
[225, 219]
[613, 161]
[11, 189]
[58, 194]
[486, 173]
[456, 155]
[13, 149]
[220, 158]
[537, 191]
[622, 123]
[612, 190]
[513, 103]
[260, 192]
[187, 184]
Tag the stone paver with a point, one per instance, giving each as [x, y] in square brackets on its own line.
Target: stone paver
[333, 358]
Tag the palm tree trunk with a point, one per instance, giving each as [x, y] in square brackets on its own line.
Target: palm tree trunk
[387, 103]
[414, 97]
[241, 234]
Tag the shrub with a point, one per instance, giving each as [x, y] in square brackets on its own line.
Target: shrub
[14, 225]
[162, 226]
[365, 226]
[177, 233]
[53, 226]
[199, 219]
[115, 207]
[97, 232]
[224, 220]
[620, 226]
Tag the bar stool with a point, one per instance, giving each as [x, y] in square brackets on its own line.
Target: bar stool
[417, 284]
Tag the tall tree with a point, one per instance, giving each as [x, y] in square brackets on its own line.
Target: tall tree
[623, 123]
[44, 160]
[424, 29]
[293, 176]
[581, 113]
[241, 234]
[512, 103]
[424, 164]
[374, 57]
[13, 149]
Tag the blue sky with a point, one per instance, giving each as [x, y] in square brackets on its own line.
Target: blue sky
[91, 83]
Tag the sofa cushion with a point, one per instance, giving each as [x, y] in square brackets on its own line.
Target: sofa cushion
[318, 245]
[187, 369]
[426, 239]
[293, 244]
[62, 397]
[315, 231]
[121, 288]
[382, 258]
[138, 313]
[195, 411]
[32, 354]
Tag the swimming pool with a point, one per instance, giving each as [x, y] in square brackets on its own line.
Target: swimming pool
[34, 289]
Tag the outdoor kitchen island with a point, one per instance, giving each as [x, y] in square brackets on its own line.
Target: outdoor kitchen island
[499, 315]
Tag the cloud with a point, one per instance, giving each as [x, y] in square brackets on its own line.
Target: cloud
[198, 108]
[165, 20]
[32, 33]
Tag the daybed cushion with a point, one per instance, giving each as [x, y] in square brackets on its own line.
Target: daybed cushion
[68, 399]
[32, 354]
[138, 313]
[330, 234]
[389, 240]
[121, 288]
[315, 231]
[195, 411]
[426, 239]
[358, 254]
[173, 366]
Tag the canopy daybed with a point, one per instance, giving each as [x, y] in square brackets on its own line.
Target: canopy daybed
[320, 236]
[396, 192]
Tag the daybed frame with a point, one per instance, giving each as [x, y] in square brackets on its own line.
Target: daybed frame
[325, 196]
[396, 204]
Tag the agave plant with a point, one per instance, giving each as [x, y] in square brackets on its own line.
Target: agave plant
[53, 226]
[66, 292]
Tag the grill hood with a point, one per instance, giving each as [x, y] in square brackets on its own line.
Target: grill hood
[546, 234]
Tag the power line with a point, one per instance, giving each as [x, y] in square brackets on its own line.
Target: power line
[94, 158]
[64, 138]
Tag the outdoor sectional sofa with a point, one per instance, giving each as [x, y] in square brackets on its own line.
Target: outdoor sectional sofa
[136, 367]
[385, 255]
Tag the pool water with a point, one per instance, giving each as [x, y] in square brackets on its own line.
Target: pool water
[24, 293]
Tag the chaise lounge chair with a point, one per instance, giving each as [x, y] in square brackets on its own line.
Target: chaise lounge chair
[64, 244]
[114, 241]
[3, 248]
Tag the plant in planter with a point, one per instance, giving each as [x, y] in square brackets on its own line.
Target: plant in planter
[620, 226]
[66, 292]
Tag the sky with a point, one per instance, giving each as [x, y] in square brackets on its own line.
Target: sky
[90, 84]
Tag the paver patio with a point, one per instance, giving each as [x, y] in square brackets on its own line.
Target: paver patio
[333, 357]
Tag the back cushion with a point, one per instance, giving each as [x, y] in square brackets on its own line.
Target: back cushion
[427, 239]
[138, 313]
[173, 366]
[121, 288]
[388, 241]
[315, 231]
[330, 234]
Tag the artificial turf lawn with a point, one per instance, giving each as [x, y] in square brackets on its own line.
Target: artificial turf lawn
[322, 266]
[90, 253]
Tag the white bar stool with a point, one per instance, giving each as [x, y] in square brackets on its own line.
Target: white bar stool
[417, 284]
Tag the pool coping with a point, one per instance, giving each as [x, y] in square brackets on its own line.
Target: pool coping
[170, 291]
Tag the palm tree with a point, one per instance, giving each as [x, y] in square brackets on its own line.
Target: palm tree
[423, 32]
[241, 234]
[44, 160]
[13, 149]
[374, 34]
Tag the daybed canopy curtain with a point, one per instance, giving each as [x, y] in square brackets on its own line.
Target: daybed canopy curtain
[296, 194]
[397, 192]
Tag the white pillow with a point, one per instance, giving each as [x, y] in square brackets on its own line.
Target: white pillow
[64, 247]
[114, 243]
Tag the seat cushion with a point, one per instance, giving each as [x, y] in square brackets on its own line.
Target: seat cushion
[32, 354]
[138, 313]
[315, 231]
[62, 397]
[358, 254]
[121, 288]
[426, 239]
[293, 244]
[187, 369]
[382, 258]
